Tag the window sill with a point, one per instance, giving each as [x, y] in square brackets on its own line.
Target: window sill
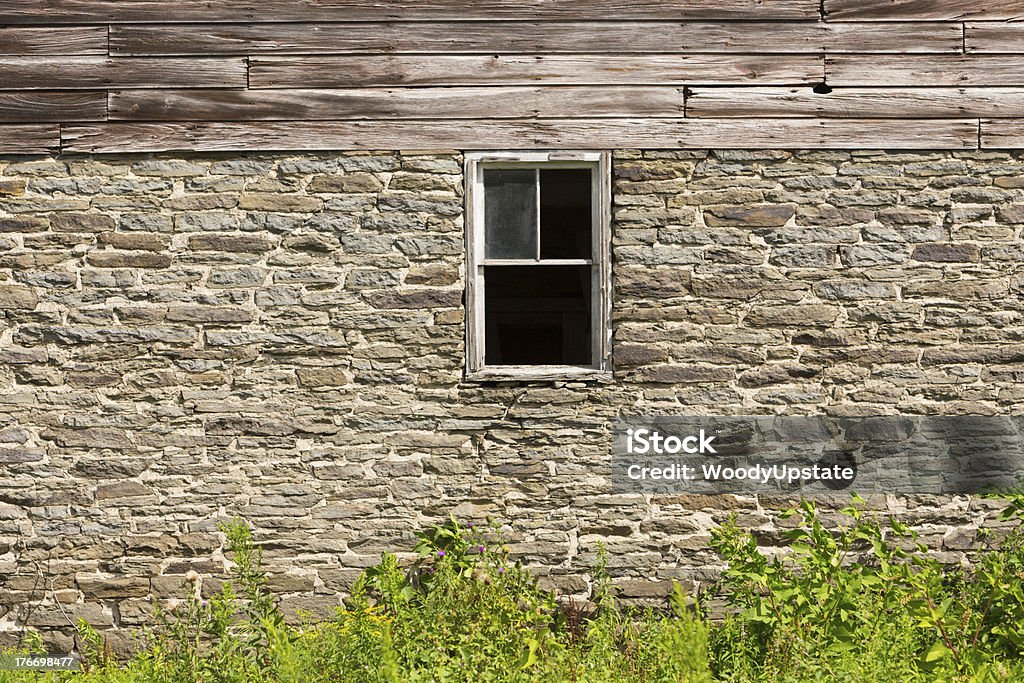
[538, 373]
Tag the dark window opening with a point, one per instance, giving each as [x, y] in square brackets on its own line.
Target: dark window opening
[565, 214]
[537, 315]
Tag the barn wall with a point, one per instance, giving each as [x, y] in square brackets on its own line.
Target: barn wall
[280, 336]
[156, 75]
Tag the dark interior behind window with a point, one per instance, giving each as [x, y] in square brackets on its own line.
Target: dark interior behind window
[565, 213]
[537, 315]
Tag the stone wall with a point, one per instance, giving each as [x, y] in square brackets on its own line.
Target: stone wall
[281, 337]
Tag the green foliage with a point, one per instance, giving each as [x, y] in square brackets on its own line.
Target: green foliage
[866, 601]
[855, 602]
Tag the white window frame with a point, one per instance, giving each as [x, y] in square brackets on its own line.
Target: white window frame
[600, 325]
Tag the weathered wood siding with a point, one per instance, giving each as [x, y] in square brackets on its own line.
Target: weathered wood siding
[134, 75]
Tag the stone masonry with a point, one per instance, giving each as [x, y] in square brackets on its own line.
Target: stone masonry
[186, 338]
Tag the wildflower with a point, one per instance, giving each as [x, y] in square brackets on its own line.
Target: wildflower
[501, 570]
[479, 548]
[441, 553]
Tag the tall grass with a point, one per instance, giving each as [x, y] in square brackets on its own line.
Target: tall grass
[858, 602]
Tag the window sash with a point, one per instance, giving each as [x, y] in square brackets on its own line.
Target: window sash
[538, 262]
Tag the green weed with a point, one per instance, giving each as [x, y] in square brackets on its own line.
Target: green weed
[857, 602]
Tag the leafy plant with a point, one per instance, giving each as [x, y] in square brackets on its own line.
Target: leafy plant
[853, 601]
[864, 587]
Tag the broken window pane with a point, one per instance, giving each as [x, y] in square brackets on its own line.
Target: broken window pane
[565, 213]
[537, 315]
[510, 214]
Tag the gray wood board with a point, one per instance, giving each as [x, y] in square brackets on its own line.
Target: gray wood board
[64, 41]
[788, 133]
[916, 10]
[120, 11]
[395, 103]
[857, 102]
[525, 37]
[925, 70]
[374, 70]
[35, 106]
[30, 139]
[98, 72]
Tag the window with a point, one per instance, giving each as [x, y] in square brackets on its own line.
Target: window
[538, 276]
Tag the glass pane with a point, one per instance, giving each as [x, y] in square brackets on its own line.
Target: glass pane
[537, 315]
[510, 213]
[565, 213]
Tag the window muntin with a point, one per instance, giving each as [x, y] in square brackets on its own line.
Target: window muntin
[538, 275]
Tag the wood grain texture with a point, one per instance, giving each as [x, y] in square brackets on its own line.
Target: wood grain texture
[994, 38]
[33, 139]
[526, 37]
[553, 134]
[1003, 134]
[375, 70]
[65, 41]
[868, 103]
[352, 74]
[916, 10]
[925, 70]
[96, 72]
[394, 103]
[44, 107]
[121, 11]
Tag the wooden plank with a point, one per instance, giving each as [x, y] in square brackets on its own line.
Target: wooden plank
[532, 134]
[994, 38]
[34, 139]
[866, 103]
[400, 103]
[384, 70]
[1002, 134]
[925, 70]
[163, 11]
[74, 40]
[526, 37]
[41, 106]
[96, 72]
[922, 10]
